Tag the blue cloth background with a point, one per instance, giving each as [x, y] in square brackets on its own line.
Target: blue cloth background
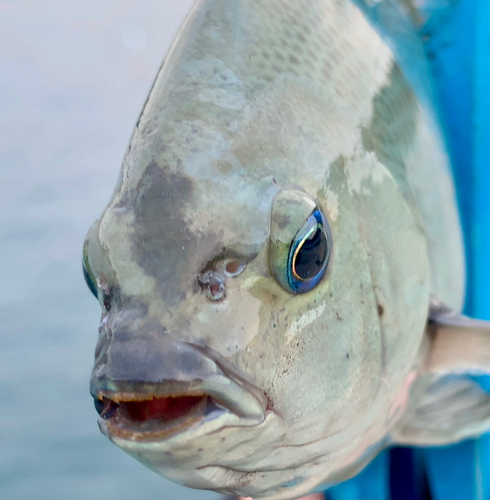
[457, 43]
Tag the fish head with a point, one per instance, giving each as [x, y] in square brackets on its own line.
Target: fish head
[263, 282]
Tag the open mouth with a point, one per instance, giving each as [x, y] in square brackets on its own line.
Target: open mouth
[145, 416]
[184, 388]
[150, 412]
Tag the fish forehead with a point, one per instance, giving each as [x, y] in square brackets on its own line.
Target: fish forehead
[235, 111]
[244, 74]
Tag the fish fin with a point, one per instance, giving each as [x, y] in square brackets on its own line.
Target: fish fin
[449, 401]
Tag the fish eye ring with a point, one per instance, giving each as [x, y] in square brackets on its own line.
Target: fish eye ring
[309, 254]
[234, 268]
[90, 279]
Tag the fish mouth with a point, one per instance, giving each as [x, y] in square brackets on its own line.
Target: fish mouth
[156, 412]
[126, 415]
[155, 387]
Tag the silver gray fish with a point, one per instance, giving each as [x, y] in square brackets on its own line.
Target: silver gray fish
[280, 268]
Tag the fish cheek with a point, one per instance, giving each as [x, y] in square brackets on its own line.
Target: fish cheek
[398, 262]
[228, 326]
[343, 354]
[331, 348]
[299, 354]
[326, 340]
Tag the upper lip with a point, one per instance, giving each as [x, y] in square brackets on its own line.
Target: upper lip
[174, 400]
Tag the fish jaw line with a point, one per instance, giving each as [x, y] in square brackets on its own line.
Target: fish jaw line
[138, 443]
[161, 411]
[188, 457]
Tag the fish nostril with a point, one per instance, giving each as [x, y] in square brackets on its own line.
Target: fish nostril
[213, 285]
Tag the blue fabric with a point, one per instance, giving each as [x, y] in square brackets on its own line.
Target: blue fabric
[459, 50]
[371, 484]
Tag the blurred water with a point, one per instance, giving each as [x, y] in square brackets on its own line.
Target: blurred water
[73, 78]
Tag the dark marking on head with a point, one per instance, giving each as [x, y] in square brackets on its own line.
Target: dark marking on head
[336, 177]
[393, 125]
[338, 163]
[347, 356]
[381, 310]
[163, 245]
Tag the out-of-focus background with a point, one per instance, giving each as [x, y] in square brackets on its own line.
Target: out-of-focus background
[73, 79]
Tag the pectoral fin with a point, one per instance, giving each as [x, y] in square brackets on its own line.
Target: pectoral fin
[448, 402]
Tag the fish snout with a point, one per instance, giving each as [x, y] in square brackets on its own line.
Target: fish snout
[154, 386]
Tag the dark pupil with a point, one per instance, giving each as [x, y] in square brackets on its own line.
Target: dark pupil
[311, 256]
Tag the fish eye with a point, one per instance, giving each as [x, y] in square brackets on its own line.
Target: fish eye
[309, 254]
[300, 242]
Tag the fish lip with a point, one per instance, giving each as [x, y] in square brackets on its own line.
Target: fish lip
[118, 425]
[213, 396]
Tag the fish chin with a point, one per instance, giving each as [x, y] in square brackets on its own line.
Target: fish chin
[204, 455]
[234, 456]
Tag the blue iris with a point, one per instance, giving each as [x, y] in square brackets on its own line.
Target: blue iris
[309, 254]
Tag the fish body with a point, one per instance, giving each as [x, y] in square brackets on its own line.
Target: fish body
[283, 227]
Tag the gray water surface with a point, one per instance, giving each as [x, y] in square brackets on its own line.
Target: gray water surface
[73, 78]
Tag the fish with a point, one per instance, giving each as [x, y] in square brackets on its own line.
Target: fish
[281, 269]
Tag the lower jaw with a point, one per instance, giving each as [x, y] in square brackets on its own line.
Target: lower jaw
[217, 453]
[115, 430]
